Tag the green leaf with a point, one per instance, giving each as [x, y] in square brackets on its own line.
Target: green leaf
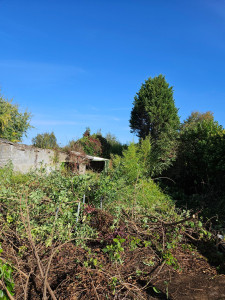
[156, 290]
[2, 294]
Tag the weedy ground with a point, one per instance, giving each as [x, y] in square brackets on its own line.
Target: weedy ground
[56, 244]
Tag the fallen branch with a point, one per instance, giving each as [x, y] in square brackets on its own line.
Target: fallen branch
[177, 222]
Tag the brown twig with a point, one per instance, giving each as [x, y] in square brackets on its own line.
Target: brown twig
[157, 273]
[51, 256]
[92, 283]
[26, 287]
[164, 178]
[178, 222]
[191, 237]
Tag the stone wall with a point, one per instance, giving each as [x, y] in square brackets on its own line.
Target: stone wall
[25, 158]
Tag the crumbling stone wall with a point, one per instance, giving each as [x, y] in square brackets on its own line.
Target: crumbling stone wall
[25, 158]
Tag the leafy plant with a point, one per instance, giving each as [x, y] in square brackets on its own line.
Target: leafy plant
[114, 282]
[115, 250]
[7, 279]
[149, 263]
[134, 243]
[170, 259]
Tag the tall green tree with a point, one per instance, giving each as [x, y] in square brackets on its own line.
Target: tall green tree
[154, 114]
[45, 140]
[13, 124]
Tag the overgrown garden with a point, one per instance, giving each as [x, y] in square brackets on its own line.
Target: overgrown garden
[145, 229]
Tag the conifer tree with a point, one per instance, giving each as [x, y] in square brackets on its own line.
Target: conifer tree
[154, 114]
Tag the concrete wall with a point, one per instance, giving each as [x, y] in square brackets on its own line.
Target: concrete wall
[25, 158]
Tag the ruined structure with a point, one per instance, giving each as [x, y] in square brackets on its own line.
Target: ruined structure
[25, 158]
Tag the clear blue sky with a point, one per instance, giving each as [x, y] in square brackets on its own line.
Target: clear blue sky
[77, 64]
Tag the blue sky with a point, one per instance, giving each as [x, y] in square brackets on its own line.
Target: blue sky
[77, 64]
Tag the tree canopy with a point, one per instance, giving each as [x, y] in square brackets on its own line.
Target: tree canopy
[45, 140]
[154, 109]
[154, 114]
[13, 124]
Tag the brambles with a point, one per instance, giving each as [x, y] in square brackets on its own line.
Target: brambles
[69, 248]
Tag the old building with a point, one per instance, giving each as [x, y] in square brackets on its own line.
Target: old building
[24, 158]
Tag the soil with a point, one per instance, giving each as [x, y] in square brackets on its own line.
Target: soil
[77, 273]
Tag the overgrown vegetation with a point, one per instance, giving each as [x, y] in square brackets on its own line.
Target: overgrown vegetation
[96, 145]
[198, 173]
[138, 231]
[61, 242]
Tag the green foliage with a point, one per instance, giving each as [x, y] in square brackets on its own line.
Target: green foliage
[113, 284]
[115, 147]
[170, 259]
[45, 140]
[13, 124]
[134, 243]
[154, 114]
[128, 184]
[134, 163]
[200, 165]
[89, 144]
[97, 145]
[54, 196]
[138, 205]
[6, 277]
[115, 250]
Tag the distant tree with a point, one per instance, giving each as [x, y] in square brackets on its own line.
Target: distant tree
[13, 124]
[87, 132]
[97, 145]
[45, 140]
[88, 144]
[115, 146]
[105, 146]
[154, 114]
